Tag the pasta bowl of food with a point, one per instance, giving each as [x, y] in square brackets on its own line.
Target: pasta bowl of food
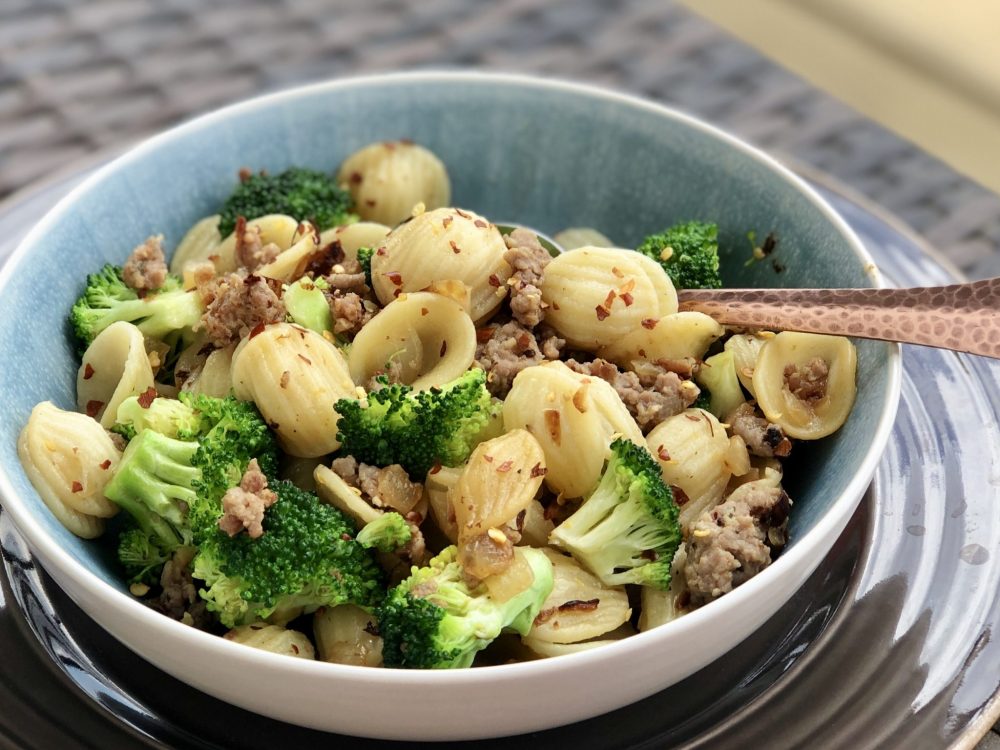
[300, 408]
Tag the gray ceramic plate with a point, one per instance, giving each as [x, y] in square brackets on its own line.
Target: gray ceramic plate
[890, 643]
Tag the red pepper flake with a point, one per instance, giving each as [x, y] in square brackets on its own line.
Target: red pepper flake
[396, 293]
[579, 605]
[650, 323]
[106, 464]
[627, 299]
[494, 281]
[488, 458]
[435, 468]
[661, 452]
[480, 223]
[395, 277]
[295, 649]
[285, 377]
[680, 496]
[424, 311]
[245, 174]
[356, 178]
[609, 300]
[446, 221]
[642, 352]
[555, 305]
[94, 408]
[370, 202]
[77, 487]
[544, 616]
[147, 397]
[553, 424]
[485, 334]
[444, 348]
[305, 359]
[257, 330]
[346, 537]
[88, 371]
[538, 471]
[617, 272]
[380, 251]
[462, 213]
[454, 247]
[602, 312]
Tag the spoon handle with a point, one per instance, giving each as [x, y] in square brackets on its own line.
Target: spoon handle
[960, 317]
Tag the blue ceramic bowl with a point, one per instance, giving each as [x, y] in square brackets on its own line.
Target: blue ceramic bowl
[542, 153]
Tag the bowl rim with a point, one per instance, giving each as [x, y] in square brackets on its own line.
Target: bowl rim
[113, 599]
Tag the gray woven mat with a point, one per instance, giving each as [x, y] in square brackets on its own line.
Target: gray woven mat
[79, 76]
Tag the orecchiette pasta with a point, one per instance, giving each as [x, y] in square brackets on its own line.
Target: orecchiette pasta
[215, 376]
[294, 376]
[574, 237]
[693, 451]
[718, 375]
[574, 419]
[281, 231]
[549, 649]
[69, 459]
[805, 383]
[745, 349]
[597, 295]
[447, 243]
[197, 246]
[353, 237]
[114, 367]
[344, 636]
[387, 180]
[660, 607]
[677, 336]
[273, 638]
[291, 263]
[437, 488]
[427, 337]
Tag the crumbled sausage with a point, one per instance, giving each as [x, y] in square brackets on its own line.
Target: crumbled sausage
[251, 251]
[651, 398]
[762, 437]
[350, 312]
[346, 468]
[508, 349]
[528, 258]
[808, 383]
[236, 304]
[731, 543]
[243, 507]
[146, 268]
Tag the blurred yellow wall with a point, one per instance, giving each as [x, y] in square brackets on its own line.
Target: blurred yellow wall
[928, 69]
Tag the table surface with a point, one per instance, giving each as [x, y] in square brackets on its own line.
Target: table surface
[79, 78]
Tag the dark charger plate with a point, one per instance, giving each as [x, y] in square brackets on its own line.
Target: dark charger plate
[891, 643]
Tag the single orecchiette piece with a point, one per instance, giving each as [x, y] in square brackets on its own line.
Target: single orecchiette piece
[388, 179]
[549, 649]
[69, 459]
[693, 451]
[294, 376]
[215, 378]
[344, 636]
[428, 336]
[499, 481]
[745, 349]
[201, 241]
[437, 488]
[718, 375]
[574, 418]
[597, 295]
[333, 490]
[277, 229]
[580, 607]
[677, 336]
[114, 367]
[536, 529]
[805, 383]
[353, 237]
[273, 638]
[660, 607]
[448, 243]
[292, 263]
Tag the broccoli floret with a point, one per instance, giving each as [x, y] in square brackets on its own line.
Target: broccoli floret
[183, 457]
[106, 299]
[387, 533]
[141, 554]
[627, 531]
[303, 194]
[417, 429]
[308, 306]
[688, 252]
[305, 558]
[365, 259]
[433, 620]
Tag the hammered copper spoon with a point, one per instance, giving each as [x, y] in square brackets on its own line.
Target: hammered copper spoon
[960, 317]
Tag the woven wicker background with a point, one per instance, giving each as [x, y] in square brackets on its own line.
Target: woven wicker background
[76, 77]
